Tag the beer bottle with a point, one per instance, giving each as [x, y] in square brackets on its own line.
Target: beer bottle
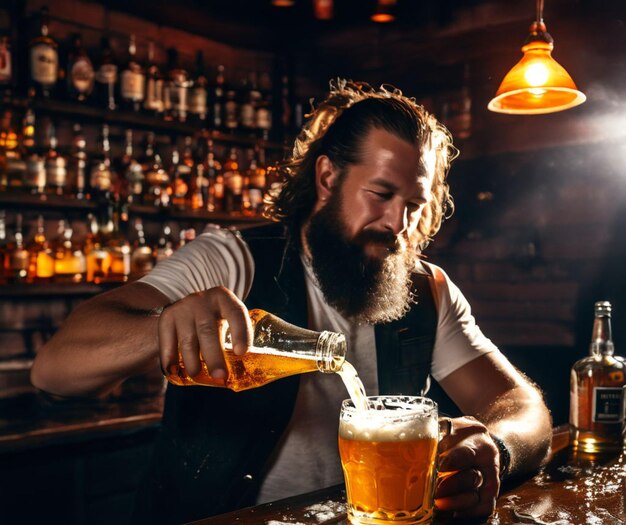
[597, 386]
[279, 349]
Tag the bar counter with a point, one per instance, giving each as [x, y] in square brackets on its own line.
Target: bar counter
[569, 490]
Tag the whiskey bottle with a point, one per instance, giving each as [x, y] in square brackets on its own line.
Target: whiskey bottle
[156, 178]
[153, 103]
[44, 59]
[12, 165]
[254, 185]
[231, 111]
[117, 245]
[70, 264]
[78, 163]
[16, 259]
[175, 89]
[198, 93]
[179, 187]
[41, 256]
[597, 386]
[102, 177]
[142, 257]
[198, 188]
[279, 349]
[233, 183]
[132, 79]
[215, 179]
[106, 76]
[217, 100]
[132, 172]
[56, 166]
[98, 259]
[35, 174]
[80, 72]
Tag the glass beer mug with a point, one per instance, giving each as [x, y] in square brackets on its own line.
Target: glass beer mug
[389, 459]
[279, 349]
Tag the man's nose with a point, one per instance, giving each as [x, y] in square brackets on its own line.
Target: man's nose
[396, 217]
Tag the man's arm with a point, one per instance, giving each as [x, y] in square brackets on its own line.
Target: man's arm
[104, 341]
[500, 402]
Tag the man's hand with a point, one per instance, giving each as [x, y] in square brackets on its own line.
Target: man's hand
[192, 326]
[469, 469]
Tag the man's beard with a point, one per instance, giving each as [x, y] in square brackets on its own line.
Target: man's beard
[367, 289]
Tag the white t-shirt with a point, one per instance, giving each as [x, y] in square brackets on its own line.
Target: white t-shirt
[307, 458]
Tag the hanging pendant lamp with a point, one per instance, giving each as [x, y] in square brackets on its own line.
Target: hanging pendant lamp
[537, 83]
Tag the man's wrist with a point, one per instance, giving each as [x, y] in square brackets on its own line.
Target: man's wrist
[505, 455]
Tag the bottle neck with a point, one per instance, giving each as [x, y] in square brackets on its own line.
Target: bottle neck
[330, 352]
[601, 337]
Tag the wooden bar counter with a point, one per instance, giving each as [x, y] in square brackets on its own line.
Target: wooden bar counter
[569, 490]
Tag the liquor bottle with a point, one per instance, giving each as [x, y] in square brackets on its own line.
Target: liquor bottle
[106, 76]
[153, 103]
[198, 93]
[102, 177]
[179, 187]
[132, 80]
[198, 188]
[80, 72]
[141, 257]
[231, 111]
[175, 89]
[56, 166]
[263, 115]
[41, 256]
[217, 100]
[597, 386]
[6, 69]
[156, 178]
[164, 247]
[117, 245]
[279, 349]
[35, 174]
[12, 165]
[233, 183]
[16, 258]
[70, 263]
[247, 109]
[132, 172]
[254, 185]
[215, 177]
[98, 259]
[44, 59]
[77, 172]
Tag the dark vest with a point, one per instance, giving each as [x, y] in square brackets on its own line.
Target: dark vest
[214, 443]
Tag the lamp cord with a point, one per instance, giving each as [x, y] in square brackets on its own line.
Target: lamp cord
[539, 11]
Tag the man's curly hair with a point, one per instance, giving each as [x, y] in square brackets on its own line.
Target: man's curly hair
[337, 127]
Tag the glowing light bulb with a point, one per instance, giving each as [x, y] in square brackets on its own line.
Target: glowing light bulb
[536, 74]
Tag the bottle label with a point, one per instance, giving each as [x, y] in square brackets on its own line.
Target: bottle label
[154, 95]
[132, 85]
[82, 75]
[608, 405]
[56, 172]
[198, 101]
[178, 98]
[44, 64]
[247, 115]
[107, 74]
[263, 118]
[35, 176]
[5, 65]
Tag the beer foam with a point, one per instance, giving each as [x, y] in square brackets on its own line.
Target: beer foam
[385, 425]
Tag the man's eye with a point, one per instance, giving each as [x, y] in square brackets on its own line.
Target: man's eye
[383, 196]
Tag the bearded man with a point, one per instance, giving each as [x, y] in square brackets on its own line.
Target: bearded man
[364, 193]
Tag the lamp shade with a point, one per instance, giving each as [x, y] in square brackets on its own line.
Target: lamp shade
[536, 84]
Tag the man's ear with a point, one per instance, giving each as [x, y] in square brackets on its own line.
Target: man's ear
[326, 175]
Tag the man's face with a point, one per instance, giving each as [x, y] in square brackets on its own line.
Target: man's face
[362, 240]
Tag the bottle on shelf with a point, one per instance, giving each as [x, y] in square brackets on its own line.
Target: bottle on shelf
[70, 263]
[217, 101]
[233, 183]
[156, 178]
[279, 349]
[597, 390]
[117, 245]
[35, 174]
[79, 71]
[98, 259]
[198, 93]
[142, 256]
[6, 68]
[106, 76]
[198, 188]
[77, 172]
[164, 247]
[215, 189]
[41, 257]
[175, 90]
[254, 184]
[44, 58]
[132, 79]
[56, 166]
[131, 172]
[231, 111]
[263, 115]
[180, 185]
[247, 108]
[102, 177]
[12, 165]
[153, 103]
[16, 259]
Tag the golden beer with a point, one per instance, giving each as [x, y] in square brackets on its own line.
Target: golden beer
[388, 454]
[279, 350]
